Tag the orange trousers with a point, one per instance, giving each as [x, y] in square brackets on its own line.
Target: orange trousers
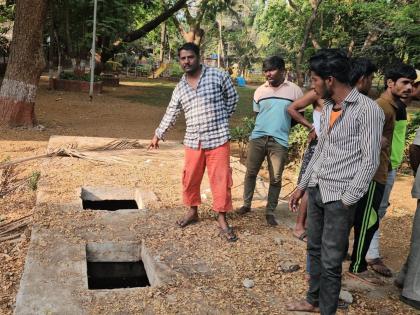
[219, 172]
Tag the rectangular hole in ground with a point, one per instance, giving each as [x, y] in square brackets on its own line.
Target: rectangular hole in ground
[110, 205]
[116, 275]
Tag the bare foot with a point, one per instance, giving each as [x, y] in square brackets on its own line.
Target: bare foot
[190, 217]
[302, 306]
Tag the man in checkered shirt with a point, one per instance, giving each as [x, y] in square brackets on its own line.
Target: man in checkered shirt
[208, 99]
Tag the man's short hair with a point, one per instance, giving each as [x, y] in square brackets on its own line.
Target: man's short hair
[360, 67]
[190, 46]
[331, 63]
[273, 62]
[399, 70]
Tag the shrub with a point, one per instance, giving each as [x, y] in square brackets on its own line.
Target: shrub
[33, 180]
[83, 77]
[241, 134]
[412, 125]
[297, 139]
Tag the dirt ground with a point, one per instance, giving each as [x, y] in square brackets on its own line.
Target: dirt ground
[116, 114]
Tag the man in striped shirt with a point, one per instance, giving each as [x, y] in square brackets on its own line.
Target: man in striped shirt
[338, 175]
[208, 99]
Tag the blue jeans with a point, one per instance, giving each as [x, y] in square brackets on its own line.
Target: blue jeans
[373, 251]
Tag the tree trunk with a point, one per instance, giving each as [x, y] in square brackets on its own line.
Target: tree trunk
[220, 45]
[151, 25]
[351, 48]
[195, 35]
[314, 41]
[372, 37]
[308, 27]
[162, 42]
[26, 62]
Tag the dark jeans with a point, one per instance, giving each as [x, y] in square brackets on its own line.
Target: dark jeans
[328, 231]
[276, 155]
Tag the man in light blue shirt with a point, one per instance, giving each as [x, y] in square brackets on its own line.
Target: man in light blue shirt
[270, 137]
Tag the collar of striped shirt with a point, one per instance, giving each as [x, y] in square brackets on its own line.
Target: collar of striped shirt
[350, 99]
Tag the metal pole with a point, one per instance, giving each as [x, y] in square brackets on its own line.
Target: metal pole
[92, 58]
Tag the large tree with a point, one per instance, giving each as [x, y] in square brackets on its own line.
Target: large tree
[26, 62]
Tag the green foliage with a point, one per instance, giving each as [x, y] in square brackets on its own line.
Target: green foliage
[297, 143]
[412, 125]
[70, 23]
[297, 138]
[241, 134]
[7, 12]
[385, 31]
[6, 18]
[33, 180]
[175, 70]
[83, 77]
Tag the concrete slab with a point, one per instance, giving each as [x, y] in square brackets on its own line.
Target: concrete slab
[192, 266]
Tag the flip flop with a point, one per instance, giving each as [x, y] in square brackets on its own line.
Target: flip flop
[302, 306]
[228, 234]
[302, 237]
[184, 222]
[378, 266]
[367, 277]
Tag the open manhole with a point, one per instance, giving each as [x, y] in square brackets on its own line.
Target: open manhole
[116, 275]
[110, 205]
[115, 266]
[110, 199]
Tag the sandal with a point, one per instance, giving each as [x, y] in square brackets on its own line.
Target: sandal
[302, 306]
[378, 266]
[302, 237]
[228, 234]
[367, 277]
[186, 221]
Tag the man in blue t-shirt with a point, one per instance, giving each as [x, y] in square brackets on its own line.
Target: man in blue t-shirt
[270, 137]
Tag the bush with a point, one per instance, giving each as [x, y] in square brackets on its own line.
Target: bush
[412, 125]
[143, 69]
[297, 143]
[33, 180]
[297, 139]
[241, 134]
[175, 70]
[83, 77]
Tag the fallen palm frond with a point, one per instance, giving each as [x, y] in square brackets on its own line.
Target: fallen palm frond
[9, 180]
[91, 156]
[11, 229]
[71, 150]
